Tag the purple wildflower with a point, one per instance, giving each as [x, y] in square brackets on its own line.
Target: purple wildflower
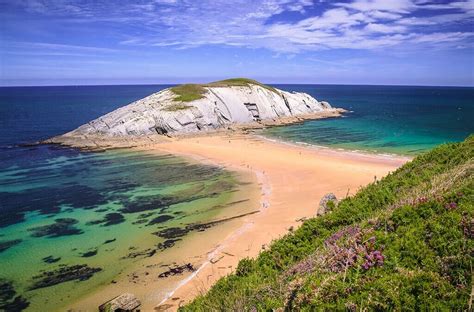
[451, 206]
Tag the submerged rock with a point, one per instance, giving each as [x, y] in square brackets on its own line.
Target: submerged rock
[79, 272]
[160, 219]
[9, 300]
[109, 219]
[4, 245]
[177, 270]
[110, 241]
[89, 253]
[327, 203]
[51, 259]
[167, 244]
[61, 227]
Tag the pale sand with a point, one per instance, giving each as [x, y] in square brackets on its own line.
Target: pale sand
[292, 180]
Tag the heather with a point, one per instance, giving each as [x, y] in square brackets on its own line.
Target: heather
[402, 243]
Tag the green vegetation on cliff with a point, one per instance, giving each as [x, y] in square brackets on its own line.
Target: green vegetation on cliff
[192, 92]
[403, 243]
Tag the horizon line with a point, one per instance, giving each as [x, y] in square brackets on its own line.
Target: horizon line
[278, 83]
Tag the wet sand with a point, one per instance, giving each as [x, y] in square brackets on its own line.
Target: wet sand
[291, 179]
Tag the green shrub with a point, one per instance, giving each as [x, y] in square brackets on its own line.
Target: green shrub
[418, 220]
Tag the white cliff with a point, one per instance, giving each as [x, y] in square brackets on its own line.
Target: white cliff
[219, 107]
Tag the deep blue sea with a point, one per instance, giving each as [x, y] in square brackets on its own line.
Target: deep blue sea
[92, 215]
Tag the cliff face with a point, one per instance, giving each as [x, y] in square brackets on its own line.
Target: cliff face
[160, 113]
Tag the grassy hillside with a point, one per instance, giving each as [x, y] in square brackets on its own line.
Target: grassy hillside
[192, 92]
[403, 243]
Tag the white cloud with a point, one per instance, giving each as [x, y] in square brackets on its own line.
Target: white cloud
[383, 28]
[383, 15]
[358, 24]
[397, 6]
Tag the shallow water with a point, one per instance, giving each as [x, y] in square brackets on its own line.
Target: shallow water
[113, 221]
[100, 210]
[385, 119]
[93, 218]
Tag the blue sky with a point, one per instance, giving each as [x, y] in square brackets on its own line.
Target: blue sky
[407, 42]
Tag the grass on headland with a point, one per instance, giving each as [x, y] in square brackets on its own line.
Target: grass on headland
[239, 82]
[403, 243]
[188, 92]
[192, 92]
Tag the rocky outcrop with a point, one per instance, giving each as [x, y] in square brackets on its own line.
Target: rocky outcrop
[219, 107]
[327, 203]
[124, 302]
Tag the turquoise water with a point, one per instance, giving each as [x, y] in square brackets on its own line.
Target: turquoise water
[90, 216]
[70, 221]
[99, 211]
[386, 119]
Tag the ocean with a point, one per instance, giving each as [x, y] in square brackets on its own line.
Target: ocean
[72, 222]
[402, 120]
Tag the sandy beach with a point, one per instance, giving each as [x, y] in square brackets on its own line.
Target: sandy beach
[291, 180]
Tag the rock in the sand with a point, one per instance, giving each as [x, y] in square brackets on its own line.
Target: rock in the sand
[194, 108]
[124, 302]
[327, 203]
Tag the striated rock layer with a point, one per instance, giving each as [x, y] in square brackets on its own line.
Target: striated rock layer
[221, 107]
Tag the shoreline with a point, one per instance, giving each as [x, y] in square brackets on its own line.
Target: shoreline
[103, 142]
[281, 208]
[264, 204]
[141, 277]
[338, 150]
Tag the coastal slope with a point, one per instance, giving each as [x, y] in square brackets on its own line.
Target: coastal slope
[402, 243]
[193, 108]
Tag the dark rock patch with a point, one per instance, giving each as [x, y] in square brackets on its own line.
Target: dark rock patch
[4, 245]
[110, 241]
[172, 232]
[160, 219]
[47, 201]
[140, 221]
[146, 205]
[9, 300]
[109, 219]
[145, 215]
[176, 232]
[177, 270]
[167, 244]
[61, 227]
[51, 259]
[163, 202]
[149, 252]
[10, 218]
[80, 272]
[89, 253]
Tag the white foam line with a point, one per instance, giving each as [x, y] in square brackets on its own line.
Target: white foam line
[338, 150]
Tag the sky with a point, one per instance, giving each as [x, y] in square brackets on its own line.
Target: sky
[87, 42]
